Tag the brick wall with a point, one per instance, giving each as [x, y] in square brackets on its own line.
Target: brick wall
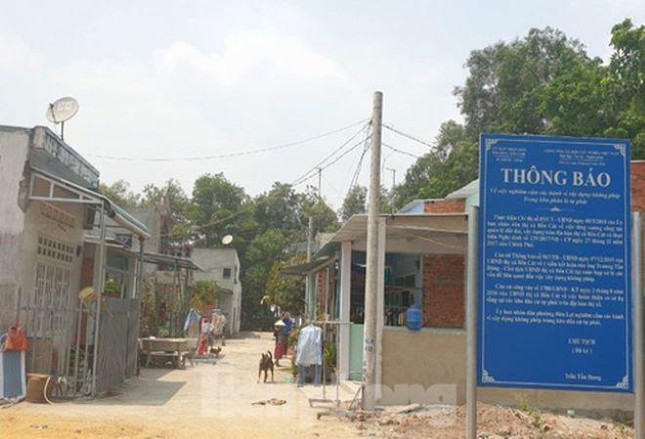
[444, 206]
[322, 289]
[443, 291]
[87, 273]
[638, 186]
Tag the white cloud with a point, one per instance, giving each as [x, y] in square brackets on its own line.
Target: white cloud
[183, 101]
[15, 54]
[248, 53]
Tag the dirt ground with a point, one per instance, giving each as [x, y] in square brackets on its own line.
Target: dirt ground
[494, 422]
[224, 400]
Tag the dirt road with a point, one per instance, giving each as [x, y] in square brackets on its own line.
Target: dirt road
[206, 400]
[220, 401]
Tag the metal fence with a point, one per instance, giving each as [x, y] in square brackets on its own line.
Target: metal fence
[132, 338]
[117, 348]
[49, 317]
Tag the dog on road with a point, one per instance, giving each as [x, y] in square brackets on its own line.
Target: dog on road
[266, 365]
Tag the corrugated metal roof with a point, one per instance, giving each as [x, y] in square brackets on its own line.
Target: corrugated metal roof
[467, 191]
[436, 233]
[158, 258]
[308, 267]
[419, 234]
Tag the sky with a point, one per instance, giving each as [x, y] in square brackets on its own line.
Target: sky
[171, 89]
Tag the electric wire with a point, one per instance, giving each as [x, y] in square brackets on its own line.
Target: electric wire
[409, 136]
[306, 178]
[354, 181]
[228, 155]
[400, 151]
[319, 166]
[307, 175]
[359, 167]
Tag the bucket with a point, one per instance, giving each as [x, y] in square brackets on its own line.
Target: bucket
[414, 318]
[36, 383]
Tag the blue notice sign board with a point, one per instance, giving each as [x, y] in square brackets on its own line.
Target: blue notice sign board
[555, 263]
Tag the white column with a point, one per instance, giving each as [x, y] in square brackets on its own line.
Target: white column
[100, 285]
[345, 298]
[637, 312]
[471, 323]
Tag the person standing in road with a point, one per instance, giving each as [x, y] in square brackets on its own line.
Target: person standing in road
[280, 341]
[288, 323]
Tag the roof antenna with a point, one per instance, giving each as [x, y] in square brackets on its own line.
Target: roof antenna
[226, 240]
[61, 110]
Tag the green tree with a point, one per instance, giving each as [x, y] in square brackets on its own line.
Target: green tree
[504, 91]
[215, 208]
[544, 83]
[452, 163]
[279, 209]
[266, 249]
[120, 193]
[171, 200]
[170, 193]
[355, 202]
[625, 85]
[573, 103]
[324, 217]
[288, 292]
[205, 293]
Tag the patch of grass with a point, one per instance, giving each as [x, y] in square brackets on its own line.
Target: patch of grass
[531, 411]
[621, 422]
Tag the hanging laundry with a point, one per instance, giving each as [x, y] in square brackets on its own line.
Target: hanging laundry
[192, 318]
[309, 350]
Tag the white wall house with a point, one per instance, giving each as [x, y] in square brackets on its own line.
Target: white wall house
[48, 200]
[223, 266]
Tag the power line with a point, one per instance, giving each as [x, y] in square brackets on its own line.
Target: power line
[319, 166]
[409, 136]
[233, 154]
[359, 167]
[400, 151]
[354, 181]
[309, 177]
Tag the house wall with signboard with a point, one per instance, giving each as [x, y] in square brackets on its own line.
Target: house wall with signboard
[41, 242]
[429, 366]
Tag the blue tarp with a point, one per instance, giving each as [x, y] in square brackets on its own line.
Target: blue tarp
[12, 375]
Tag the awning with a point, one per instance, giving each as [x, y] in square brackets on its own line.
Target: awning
[429, 233]
[158, 258]
[308, 267]
[422, 234]
[109, 242]
[467, 191]
[48, 187]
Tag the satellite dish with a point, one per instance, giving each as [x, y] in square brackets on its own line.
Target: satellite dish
[226, 240]
[62, 109]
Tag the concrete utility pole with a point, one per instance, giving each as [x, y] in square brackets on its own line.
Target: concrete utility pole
[393, 171]
[372, 274]
[320, 183]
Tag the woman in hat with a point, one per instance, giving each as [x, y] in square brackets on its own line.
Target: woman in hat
[280, 341]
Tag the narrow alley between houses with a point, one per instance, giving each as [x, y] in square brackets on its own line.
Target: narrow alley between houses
[211, 398]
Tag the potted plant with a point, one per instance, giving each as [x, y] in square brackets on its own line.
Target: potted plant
[329, 362]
